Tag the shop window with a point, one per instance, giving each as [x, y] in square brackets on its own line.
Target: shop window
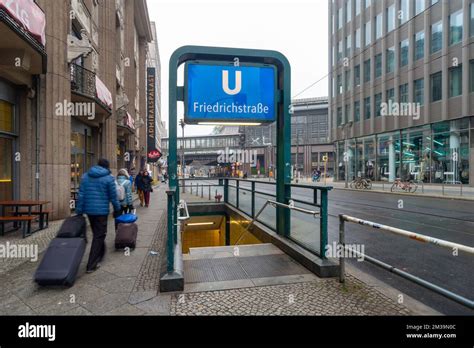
[6, 169]
[6, 117]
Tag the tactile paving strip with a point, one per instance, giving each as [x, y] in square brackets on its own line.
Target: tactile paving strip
[237, 268]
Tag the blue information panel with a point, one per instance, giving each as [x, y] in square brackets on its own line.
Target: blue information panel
[226, 93]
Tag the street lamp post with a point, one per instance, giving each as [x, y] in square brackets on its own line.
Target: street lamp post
[182, 124]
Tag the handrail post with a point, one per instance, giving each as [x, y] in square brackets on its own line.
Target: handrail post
[184, 185]
[171, 239]
[237, 193]
[253, 199]
[323, 223]
[342, 243]
[226, 190]
[315, 196]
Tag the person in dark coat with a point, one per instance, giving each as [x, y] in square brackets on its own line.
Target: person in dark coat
[147, 187]
[96, 192]
[138, 186]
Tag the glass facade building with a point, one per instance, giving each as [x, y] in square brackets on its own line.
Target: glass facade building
[409, 110]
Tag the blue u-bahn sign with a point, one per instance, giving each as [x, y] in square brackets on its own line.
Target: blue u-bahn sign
[215, 92]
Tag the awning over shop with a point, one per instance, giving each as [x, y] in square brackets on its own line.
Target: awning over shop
[129, 121]
[103, 93]
[29, 16]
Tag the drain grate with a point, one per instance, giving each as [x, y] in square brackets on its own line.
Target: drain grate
[237, 268]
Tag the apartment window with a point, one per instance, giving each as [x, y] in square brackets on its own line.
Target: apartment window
[419, 45]
[367, 111]
[419, 6]
[404, 52]
[339, 84]
[378, 65]
[347, 78]
[472, 74]
[357, 38]
[378, 105]
[348, 45]
[404, 93]
[391, 15]
[339, 51]
[357, 76]
[433, 2]
[339, 18]
[390, 95]
[367, 3]
[368, 33]
[419, 91]
[348, 11]
[356, 111]
[347, 111]
[436, 37]
[455, 27]
[472, 19]
[339, 116]
[378, 26]
[357, 7]
[455, 81]
[404, 11]
[436, 87]
[367, 70]
[390, 56]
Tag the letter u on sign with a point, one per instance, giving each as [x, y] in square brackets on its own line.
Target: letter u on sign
[225, 82]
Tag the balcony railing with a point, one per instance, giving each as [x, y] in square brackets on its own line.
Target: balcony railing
[83, 81]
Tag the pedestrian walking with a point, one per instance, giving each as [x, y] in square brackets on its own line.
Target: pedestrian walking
[97, 190]
[138, 186]
[123, 180]
[147, 187]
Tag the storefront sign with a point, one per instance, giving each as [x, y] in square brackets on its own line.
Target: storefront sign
[221, 93]
[153, 154]
[27, 14]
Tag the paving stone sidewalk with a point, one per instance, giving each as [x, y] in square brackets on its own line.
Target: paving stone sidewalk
[128, 285]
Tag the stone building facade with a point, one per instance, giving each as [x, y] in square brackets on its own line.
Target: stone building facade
[72, 90]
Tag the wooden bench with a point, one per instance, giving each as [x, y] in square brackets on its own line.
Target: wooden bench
[44, 216]
[26, 227]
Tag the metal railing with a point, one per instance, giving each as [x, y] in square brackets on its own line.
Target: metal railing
[290, 205]
[232, 188]
[412, 235]
[83, 81]
[319, 200]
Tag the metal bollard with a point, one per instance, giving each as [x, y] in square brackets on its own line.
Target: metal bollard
[202, 191]
[209, 192]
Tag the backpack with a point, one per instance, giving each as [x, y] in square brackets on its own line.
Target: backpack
[120, 191]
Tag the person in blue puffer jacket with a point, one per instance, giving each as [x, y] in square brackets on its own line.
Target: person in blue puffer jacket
[97, 190]
[123, 179]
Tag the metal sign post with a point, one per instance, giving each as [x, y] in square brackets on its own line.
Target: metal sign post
[245, 57]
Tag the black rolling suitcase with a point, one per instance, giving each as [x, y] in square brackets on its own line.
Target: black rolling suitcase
[73, 227]
[61, 262]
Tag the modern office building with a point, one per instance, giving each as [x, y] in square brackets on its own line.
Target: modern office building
[72, 90]
[402, 89]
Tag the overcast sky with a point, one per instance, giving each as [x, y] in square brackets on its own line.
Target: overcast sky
[296, 28]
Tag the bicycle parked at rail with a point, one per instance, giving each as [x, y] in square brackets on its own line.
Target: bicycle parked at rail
[406, 186]
[361, 184]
